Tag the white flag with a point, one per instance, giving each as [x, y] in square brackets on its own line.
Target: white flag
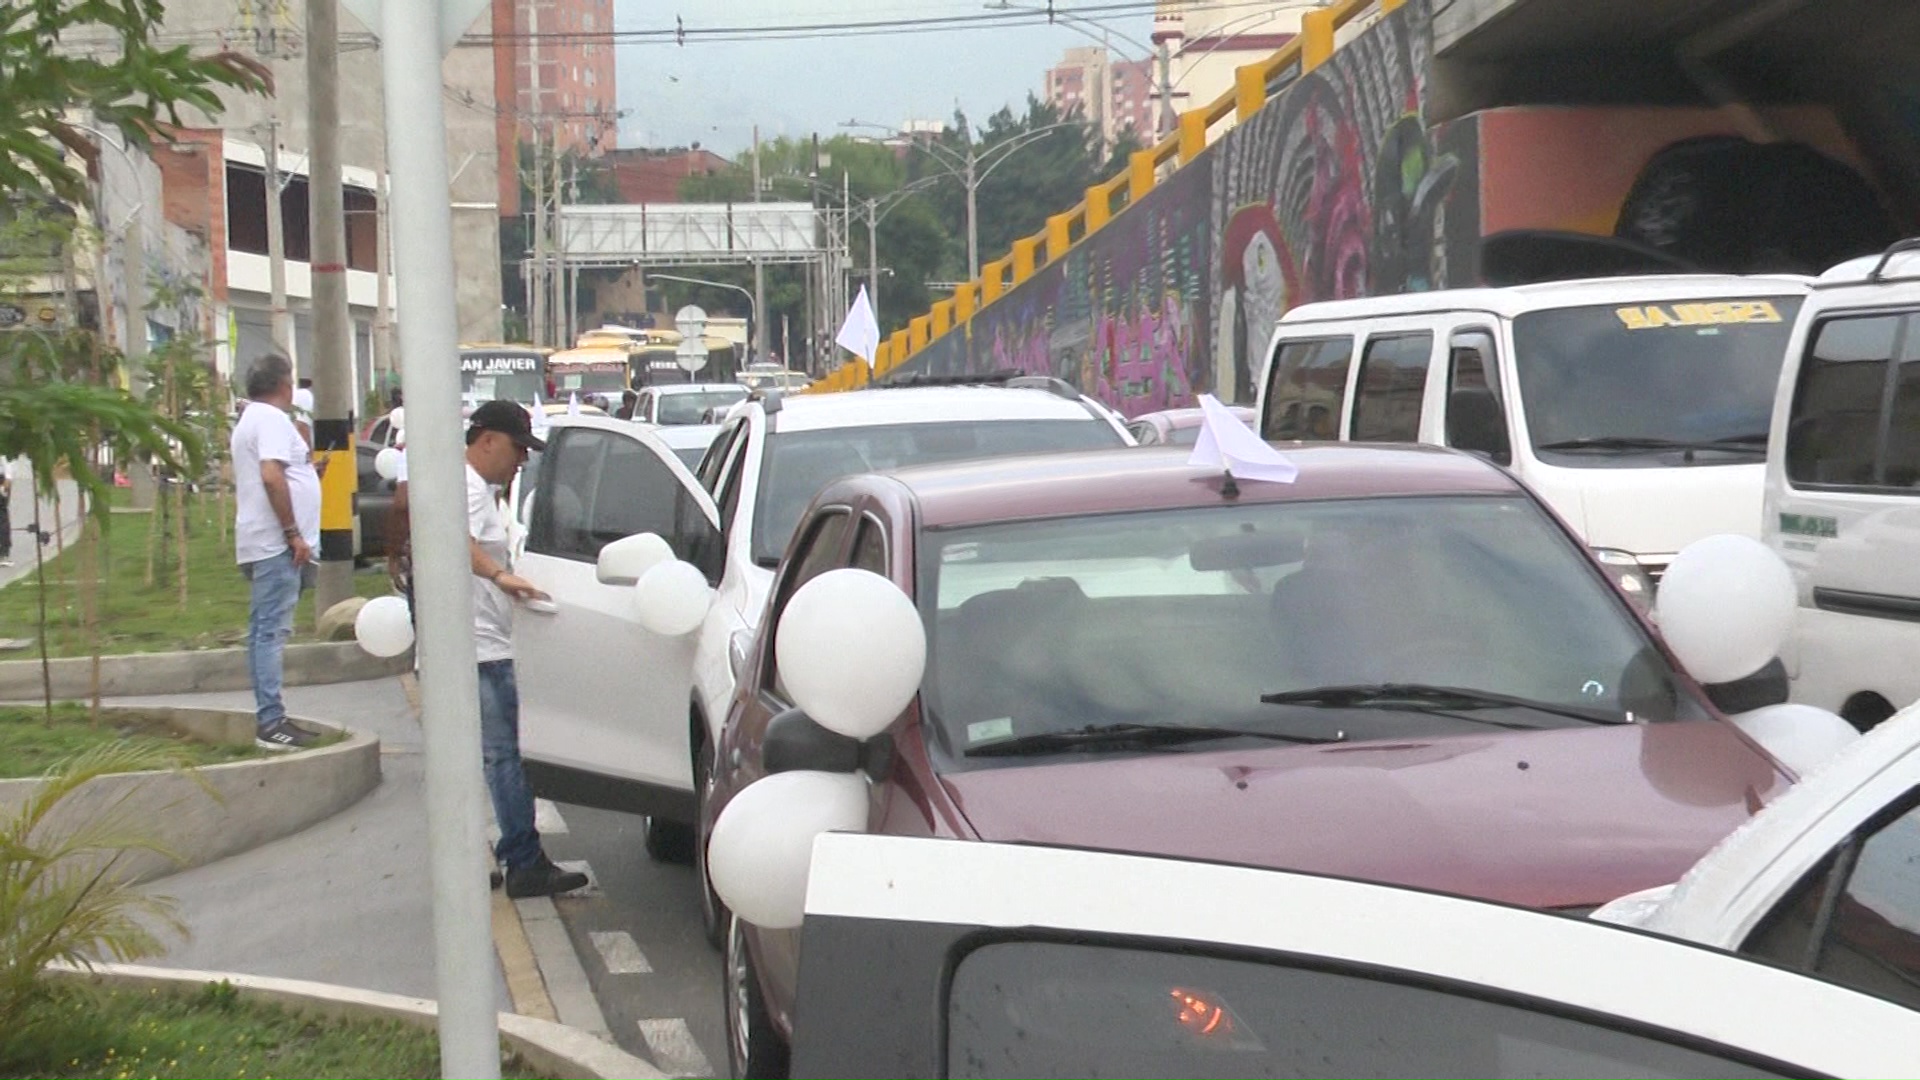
[539, 416]
[860, 332]
[1226, 443]
[573, 404]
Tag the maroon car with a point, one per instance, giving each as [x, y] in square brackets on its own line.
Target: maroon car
[1400, 667]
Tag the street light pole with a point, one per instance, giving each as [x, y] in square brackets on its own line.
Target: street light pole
[973, 215]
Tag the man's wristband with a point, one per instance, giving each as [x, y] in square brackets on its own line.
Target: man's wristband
[290, 531]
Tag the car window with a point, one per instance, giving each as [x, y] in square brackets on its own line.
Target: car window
[1855, 419]
[870, 548]
[715, 459]
[1393, 385]
[691, 407]
[378, 436]
[1475, 417]
[1855, 919]
[798, 464]
[1193, 615]
[730, 490]
[818, 553]
[1057, 1009]
[598, 487]
[1306, 387]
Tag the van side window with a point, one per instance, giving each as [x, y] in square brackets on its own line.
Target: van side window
[1476, 420]
[1306, 387]
[1393, 385]
[1845, 427]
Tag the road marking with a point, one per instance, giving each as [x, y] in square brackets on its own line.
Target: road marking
[547, 819]
[619, 952]
[591, 888]
[674, 1051]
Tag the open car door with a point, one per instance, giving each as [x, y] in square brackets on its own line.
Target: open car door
[603, 700]
[933, 958]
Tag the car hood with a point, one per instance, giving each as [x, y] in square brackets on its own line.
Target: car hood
[1654, 512]
[1543, 818]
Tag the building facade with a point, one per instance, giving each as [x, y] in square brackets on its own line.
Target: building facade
[1114, 95]
[553, 82]
[1207, 39]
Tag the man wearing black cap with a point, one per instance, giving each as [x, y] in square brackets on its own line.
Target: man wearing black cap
[499, 435]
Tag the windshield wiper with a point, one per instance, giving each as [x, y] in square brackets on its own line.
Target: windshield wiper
[1752, 443]
[1127, 736]
[1420, 697]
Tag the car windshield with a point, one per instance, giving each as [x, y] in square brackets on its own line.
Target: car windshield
[1601, 382]
[692, 406]
[799, 463]
[520, 386]
[1359, 610]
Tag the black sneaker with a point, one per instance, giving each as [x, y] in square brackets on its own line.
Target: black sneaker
[285, 736]
[542, 879]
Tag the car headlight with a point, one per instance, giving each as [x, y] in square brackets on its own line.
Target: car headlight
[1627, 572]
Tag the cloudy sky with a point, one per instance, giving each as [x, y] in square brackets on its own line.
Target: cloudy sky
[714, 92]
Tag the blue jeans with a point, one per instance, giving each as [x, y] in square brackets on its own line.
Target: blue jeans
[519, 844]
[276, 589]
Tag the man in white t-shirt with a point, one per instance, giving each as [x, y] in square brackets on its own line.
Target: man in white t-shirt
[499, 436]
[275, 531]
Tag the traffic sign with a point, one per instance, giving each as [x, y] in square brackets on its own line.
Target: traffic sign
[692, 354]
[691, 321]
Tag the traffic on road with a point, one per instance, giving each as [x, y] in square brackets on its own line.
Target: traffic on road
[938, 692]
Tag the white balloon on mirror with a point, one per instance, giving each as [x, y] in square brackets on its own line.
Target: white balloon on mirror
[386, 463]
[384, 626]
[673, 598]
[628, 559]
[761, 848]
[1726, 605]
[851, 650]
[1801, 737]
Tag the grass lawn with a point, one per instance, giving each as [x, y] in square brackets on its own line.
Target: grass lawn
[86, 1032]
[28, 747]
[138, 617]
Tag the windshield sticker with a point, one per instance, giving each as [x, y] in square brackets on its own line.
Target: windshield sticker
[960, 553]
[1719, 313]
[982, 730]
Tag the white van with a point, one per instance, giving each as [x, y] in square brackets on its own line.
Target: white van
[1638, 407]
[1843, 486]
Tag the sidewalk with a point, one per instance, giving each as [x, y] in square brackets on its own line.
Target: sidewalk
[347, 901]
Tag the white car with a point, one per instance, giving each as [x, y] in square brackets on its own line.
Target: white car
[615, 716]
[689, 442]
[1826, 879]
[934, 958]
[669, 404]
[1843, 467]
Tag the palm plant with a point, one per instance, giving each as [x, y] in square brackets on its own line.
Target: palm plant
[62, 898]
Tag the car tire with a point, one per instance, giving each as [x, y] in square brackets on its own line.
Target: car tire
[713, 913]
[669, 841]
[754, 1048]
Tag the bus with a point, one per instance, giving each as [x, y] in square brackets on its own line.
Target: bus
[597, 369]
[653, 355]
[488, 372]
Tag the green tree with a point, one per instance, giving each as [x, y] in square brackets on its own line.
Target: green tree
[49, 68]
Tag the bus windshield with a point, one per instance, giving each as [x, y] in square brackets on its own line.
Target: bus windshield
[596, 378]
[489, 376]
[1598, 383]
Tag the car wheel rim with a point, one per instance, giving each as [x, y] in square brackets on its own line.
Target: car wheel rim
[738, 991]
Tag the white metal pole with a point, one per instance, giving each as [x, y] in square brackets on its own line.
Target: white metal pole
[449, 682]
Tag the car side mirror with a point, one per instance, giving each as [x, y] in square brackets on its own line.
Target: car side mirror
[1475, 422]
[1768, 686]
[794, 741]
[623, 561]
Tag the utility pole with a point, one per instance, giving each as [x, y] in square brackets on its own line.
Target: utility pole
[139, 472]
[332, 368]
[1165, 123]
[279, 322]
[973, 215]
[556, 271]
[873, 256]
[759, 269]
[383, 280]
[539, 266]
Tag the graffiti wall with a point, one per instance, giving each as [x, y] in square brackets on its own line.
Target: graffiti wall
[1339, 188]
[1336, 189]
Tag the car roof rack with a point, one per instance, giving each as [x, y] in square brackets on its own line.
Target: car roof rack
[1008, 377]
[1900, 247]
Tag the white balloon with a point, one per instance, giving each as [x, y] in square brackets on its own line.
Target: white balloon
[673, 598]
[627, 559]
[1726, 606]
[762, 844]
[1801, 737]
[384, 627]
[851, 650]
[387, 463]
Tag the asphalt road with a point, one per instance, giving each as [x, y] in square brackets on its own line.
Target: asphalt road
[659, 985]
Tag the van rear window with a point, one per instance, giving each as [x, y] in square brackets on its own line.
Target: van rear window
[1306, 387]
[1856, 409]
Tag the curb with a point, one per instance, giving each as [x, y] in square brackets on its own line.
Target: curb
[213, 811]
[141, 674]
[552, 1048]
